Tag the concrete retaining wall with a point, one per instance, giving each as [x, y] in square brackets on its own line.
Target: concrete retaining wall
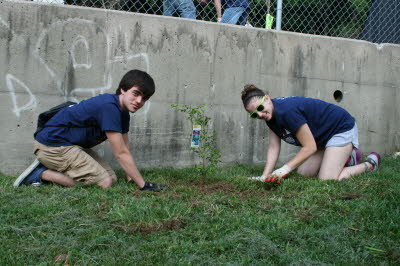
[51, 53]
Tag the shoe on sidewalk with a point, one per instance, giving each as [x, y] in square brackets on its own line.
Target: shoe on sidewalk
[32, 175]
[374, 159]
[354, 158]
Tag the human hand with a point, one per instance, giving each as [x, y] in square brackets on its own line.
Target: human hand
[278, 174]
[258, 178]
[154, 187]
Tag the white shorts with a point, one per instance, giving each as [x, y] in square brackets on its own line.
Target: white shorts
[341, 139]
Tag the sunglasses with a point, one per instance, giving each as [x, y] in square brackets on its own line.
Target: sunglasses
[259, 108]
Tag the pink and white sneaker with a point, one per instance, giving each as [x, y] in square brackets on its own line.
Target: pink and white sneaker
[354, 158]
[374, 159]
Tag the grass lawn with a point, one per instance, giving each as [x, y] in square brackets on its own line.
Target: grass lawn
[223, 219]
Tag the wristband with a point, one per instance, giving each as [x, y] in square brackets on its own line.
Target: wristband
[282, 172]
[278, 174]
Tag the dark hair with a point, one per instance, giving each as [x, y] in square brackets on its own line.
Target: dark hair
[137, 78]
[249, 92]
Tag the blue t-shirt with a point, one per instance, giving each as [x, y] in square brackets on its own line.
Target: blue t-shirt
[324, 119]
[87, 121]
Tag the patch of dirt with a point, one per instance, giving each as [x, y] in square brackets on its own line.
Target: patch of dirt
[205, 187]
[219, 186]
[102, 209]
[135, 193]
[103, 206]
[62, 258]
[175, 196]
[195, 202]
[351, 196]
[306, 216]
[174, 224]
[225, 188]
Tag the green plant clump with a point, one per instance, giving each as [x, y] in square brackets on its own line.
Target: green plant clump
[207, 150]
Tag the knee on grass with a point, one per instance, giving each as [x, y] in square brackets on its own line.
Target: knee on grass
[328, 177]
[114, 178]
[329, 174]
[307, 172]
[106, 182]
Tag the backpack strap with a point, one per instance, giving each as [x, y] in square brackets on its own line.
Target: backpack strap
[47, 115]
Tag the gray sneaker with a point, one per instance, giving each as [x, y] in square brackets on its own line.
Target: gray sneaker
[374, 159]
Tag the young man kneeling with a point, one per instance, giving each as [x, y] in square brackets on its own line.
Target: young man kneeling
[63, 146]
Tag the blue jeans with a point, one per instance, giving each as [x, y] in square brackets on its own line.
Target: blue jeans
[185, 8]
[235, 15]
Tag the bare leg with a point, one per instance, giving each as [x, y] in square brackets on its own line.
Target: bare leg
[333, 162]
[355, 170]
[58, 178]
[63, 180]
[311, 166]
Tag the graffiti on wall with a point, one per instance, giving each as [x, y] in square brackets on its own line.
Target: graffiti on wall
[77, 66]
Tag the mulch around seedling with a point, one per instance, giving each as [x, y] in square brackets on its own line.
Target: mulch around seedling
[207, 188]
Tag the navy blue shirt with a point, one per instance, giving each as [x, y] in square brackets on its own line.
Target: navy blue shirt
[87, 121]
[324, 119]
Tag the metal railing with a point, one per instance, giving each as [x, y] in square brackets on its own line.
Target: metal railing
[373, 20]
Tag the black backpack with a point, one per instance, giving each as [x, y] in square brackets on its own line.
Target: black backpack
[45, 116]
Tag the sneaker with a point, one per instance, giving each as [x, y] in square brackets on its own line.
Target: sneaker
[354, 158]
[31, 176]
[374, 159]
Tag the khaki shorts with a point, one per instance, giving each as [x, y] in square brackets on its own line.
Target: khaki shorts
[82, 165]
